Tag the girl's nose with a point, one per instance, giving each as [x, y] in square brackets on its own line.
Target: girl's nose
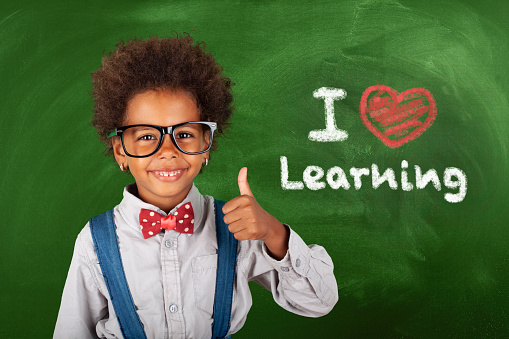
[168, 148]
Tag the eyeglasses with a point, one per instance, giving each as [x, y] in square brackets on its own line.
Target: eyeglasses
[140, 141]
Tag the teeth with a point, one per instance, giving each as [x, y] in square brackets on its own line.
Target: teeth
[168, 174]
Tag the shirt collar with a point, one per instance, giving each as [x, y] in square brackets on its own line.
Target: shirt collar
[131, 205]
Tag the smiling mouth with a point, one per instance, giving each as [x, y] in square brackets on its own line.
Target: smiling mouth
[168, 173]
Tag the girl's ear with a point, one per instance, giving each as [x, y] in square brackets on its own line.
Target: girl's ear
[118, 151]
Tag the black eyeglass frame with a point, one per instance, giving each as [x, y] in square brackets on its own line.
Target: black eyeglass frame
[164, 130]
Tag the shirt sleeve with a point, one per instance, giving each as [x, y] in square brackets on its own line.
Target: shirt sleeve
[83, 304]
[302, 282]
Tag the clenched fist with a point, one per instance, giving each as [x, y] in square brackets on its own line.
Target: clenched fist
[247, 220]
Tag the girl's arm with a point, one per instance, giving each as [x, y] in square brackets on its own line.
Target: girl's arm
[83, 304]
[301, 278]
[302, 282]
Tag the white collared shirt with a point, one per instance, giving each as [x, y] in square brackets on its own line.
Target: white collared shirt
[172, 277]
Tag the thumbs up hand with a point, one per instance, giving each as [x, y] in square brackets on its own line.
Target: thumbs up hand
[247, 220]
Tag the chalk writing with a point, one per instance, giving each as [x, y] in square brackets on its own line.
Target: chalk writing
[331, 132]
[453, 178]
[397, 118]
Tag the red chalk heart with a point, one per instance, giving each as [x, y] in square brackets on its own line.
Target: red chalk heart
[397, 118]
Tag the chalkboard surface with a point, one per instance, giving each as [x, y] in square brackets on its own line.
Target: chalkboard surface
[410, 200]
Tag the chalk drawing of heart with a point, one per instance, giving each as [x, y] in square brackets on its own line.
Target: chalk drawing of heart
[397, 118]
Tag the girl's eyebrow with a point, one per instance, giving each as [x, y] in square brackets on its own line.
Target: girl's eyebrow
[189, 126]
[142, 128]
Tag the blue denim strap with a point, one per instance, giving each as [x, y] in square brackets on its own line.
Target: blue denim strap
[225, 278]
[106, 246]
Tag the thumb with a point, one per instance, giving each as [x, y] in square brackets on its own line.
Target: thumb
[243, 185]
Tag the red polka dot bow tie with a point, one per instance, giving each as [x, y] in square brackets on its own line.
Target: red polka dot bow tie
[182, 221]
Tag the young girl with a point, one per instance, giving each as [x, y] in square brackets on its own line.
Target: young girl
[183, 260]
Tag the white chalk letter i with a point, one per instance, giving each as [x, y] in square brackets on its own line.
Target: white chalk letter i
[331, 132]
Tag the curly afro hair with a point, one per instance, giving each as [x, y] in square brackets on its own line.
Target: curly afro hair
[173, 63]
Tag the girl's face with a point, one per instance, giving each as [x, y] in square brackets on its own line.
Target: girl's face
[164, 178]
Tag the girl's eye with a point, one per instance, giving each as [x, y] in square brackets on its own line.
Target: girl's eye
[147, 137]
[184, 135]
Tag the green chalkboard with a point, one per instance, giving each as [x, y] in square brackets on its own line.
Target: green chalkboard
[410, 261]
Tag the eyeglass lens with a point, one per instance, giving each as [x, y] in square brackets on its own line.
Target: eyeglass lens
[143, 140]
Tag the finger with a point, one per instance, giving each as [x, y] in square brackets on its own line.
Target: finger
[243, 185]
[235, 203]
[237, 226]
[238, 202]
[232, 216]
[245, 234]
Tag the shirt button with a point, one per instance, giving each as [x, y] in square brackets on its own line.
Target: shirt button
[174, 308]
[168, 243]
[285, 269]
[297, 262]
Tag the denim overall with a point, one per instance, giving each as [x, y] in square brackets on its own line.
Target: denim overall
[108, 253]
